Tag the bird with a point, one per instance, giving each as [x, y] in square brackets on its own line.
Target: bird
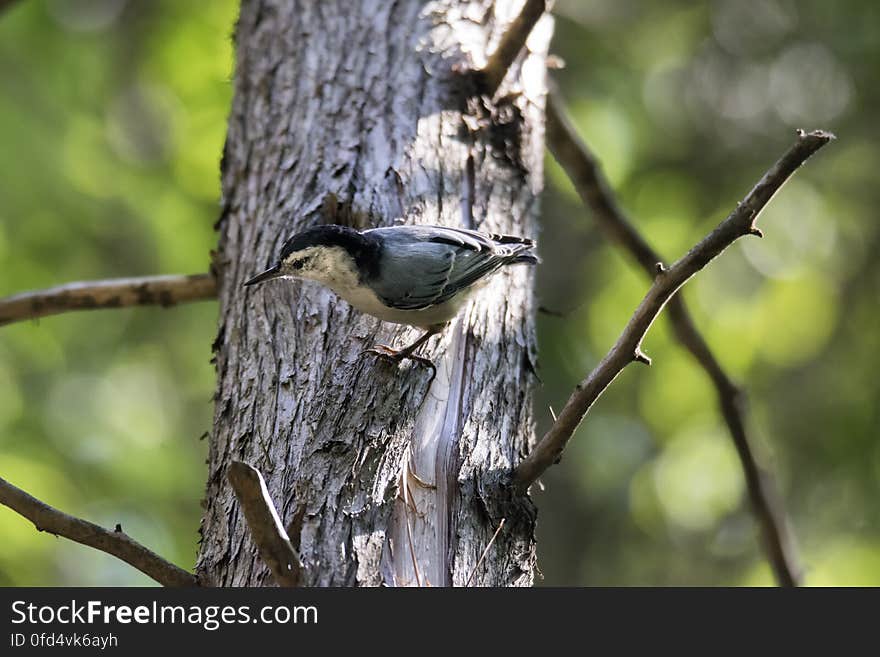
[420, 276]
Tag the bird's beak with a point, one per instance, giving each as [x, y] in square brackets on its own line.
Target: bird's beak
[272, 272]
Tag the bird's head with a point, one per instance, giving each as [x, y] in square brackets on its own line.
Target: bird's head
[332, 255]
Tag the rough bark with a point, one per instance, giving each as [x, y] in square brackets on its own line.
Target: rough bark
[359, 113]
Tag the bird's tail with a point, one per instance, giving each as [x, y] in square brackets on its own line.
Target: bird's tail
[518, 250]
[526, 259]
[511, 239]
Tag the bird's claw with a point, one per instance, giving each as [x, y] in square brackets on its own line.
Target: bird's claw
[386, 353]
[383, 351]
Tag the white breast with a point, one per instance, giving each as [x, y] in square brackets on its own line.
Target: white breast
[334, 268]
[365, 300]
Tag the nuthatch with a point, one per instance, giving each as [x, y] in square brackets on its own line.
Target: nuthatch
[415, 275]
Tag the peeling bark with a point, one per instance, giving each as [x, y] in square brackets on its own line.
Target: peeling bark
[358, 113]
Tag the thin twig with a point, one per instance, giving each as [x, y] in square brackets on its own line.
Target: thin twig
[627, 349]
[512, 42]
[485, 552]
[267, 531]
[112, 293]
[117, 543]
[412, 547]
[583, 168]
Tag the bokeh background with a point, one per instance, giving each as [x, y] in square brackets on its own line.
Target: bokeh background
[112, 118]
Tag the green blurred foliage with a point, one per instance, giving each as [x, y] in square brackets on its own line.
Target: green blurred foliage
[686, 104]
[112, 118]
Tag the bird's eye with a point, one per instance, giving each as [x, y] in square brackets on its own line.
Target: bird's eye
[297, 264]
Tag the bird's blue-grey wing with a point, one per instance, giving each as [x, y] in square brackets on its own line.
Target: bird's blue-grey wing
[478, 254]
[468, 239]
[426, 266]
[413, 275]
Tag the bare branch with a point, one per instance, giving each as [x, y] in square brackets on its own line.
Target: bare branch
[740, 222]
[267, 531]
[585, 173]
[113, 293]
[117, 543]
[512, 42]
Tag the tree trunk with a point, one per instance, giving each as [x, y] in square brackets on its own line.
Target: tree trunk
[359, 113]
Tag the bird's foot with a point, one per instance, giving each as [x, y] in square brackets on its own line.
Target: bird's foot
[388, 354]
